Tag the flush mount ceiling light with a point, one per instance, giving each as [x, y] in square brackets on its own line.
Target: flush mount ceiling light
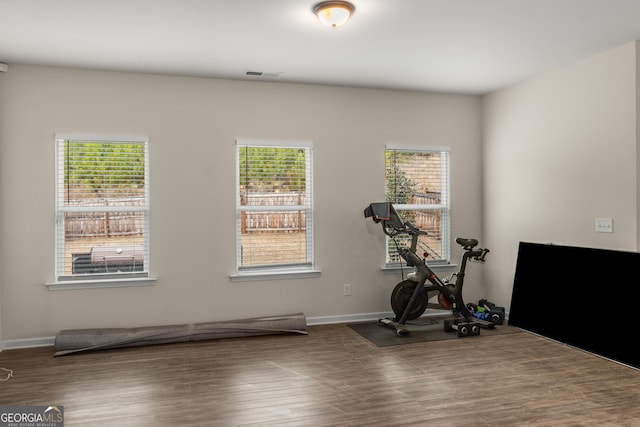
[333, 13]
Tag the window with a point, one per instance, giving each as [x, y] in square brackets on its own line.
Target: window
[417, 183]
[102, 208]
[274, 207]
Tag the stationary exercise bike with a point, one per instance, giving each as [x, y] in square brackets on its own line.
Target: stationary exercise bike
[411, 296]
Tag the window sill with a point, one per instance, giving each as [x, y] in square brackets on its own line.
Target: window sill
[99, 284]
[434, 267]
[274, 275]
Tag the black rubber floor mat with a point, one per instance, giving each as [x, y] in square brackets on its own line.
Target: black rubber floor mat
[420, 330]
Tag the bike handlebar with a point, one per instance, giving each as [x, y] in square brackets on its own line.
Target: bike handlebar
[413, 260]
[413, 230]
[392, 225]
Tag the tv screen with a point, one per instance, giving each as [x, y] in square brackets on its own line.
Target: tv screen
[583, 297]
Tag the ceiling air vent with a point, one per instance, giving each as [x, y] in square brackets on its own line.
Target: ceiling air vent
[260, 74]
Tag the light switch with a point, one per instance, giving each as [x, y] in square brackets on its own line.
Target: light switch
[604, 225]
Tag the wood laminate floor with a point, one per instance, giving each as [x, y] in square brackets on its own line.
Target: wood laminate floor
[330, 377]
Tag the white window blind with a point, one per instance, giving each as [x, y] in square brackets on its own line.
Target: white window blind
[102, 207]
[274, 205]
[417, 183]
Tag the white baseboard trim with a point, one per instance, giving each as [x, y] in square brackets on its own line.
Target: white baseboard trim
[27, 343]
[362, 317]
[311, 321]
[319, 320]
[346, 318]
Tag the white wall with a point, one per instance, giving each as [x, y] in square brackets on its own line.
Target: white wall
[637, 72]
[560, 150]
[557, 151]
[192, 124]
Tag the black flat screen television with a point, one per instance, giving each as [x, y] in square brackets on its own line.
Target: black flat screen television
[585, 297]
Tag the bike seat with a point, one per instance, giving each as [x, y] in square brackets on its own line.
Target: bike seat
[467, 243]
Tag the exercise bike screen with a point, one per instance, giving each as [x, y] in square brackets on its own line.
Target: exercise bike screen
[587, 301]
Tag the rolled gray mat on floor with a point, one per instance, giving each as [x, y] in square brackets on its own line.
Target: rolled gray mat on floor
[77, 340]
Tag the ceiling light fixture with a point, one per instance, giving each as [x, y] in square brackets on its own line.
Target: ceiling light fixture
[333, 13]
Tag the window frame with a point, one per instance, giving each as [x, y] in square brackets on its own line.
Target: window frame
[97, 280]
[443, 207]
[285, 270]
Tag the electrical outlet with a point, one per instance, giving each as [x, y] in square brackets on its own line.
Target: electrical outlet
[347, 289]
[604, 225]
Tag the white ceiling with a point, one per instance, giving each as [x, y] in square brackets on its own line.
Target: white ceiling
[459, 46]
